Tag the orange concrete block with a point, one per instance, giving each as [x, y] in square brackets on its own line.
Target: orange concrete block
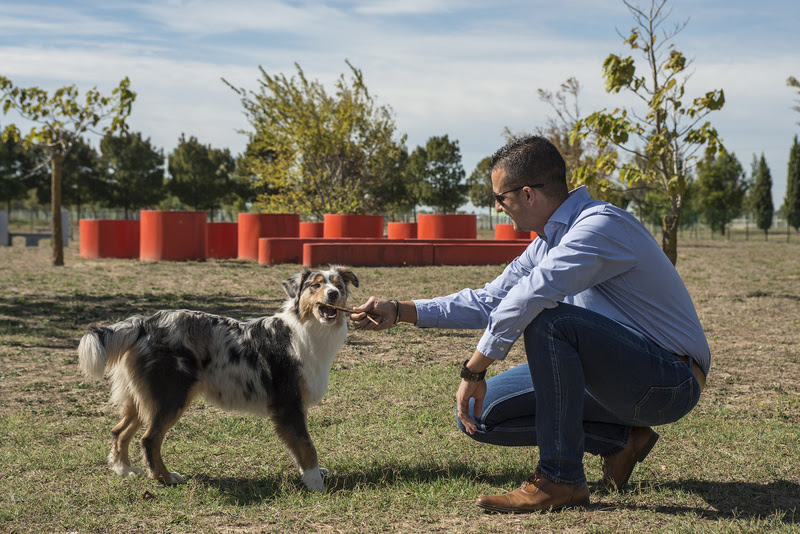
[341, 225]
[253, 226]
[401, 230]
[447, 226]
[222, 240]
[103, 238]
[368, 254]
[172, 235]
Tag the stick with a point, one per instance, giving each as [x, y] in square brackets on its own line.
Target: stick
[350, 310]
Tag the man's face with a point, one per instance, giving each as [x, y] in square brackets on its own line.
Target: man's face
[507, 199]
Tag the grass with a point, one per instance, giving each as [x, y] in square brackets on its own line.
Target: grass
[386, 428]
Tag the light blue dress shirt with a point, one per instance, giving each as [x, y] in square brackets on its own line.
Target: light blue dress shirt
[595, 256]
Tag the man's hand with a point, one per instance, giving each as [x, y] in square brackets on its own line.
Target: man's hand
[380, 309]
[466, 391]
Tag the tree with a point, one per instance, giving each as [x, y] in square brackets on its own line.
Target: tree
[17, 174]
[320, 153]
[438, 166]
[59, 122]
[793, 82]
[134, 171]
[480, 186]
[662, 139]
[81, 179]
[201, 176]
[791, 204]
[722, 186]
[761, 195]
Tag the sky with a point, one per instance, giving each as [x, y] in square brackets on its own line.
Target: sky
[464, 68]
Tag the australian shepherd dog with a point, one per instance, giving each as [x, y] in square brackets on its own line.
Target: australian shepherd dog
[275, 366]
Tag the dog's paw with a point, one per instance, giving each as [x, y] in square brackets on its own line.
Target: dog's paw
[127, 471]
[175, 478]
[313, 480]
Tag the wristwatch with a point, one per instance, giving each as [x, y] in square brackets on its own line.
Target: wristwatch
[470, 376]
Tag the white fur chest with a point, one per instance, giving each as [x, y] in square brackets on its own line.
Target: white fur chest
[316, 346]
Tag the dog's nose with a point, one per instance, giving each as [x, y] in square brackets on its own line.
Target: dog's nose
[333, 295]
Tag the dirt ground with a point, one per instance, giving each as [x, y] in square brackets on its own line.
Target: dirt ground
[747, 295]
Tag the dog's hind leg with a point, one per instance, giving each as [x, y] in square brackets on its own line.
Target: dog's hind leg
[121, 436]
[152, 440]
[291, 427]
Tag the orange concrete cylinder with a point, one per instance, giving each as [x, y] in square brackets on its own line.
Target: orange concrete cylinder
[172, 235]
[447, 226]
[312, 230]
[506, 232]
[222, 240]
[252, 226]
[102, 238]
[402, 230]
[339, 225]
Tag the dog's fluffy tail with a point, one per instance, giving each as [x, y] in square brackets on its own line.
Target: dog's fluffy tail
[103, 346]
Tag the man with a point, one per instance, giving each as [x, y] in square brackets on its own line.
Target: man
[612, 339]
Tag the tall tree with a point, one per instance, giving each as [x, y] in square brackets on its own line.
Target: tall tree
[480, 186]
[201, 176]
[663, 138]
[438, 165]
[791, 204]
[60, 121]
[761, 195]
[793, 82]
[327, 153]
[721, 187]
[134, 171]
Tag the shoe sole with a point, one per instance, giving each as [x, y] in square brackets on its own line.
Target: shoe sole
[499, 510]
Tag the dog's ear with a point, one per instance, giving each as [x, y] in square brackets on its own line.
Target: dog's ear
[292, 285]
[346, 274]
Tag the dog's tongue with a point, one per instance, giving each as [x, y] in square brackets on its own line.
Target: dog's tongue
[327, 312]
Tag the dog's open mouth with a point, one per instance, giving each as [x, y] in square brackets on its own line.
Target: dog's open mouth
[327, 313]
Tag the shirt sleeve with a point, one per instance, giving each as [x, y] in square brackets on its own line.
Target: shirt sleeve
[594, 250]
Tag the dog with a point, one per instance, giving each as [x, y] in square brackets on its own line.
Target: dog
[276, 366]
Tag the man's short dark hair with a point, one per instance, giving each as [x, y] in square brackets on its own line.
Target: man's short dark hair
[532, 160]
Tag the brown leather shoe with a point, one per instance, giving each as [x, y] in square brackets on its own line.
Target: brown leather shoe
[536, 494]
[617, 469]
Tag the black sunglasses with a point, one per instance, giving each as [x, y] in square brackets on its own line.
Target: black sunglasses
[499, 197]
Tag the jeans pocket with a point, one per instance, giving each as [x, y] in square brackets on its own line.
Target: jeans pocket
[661, 405]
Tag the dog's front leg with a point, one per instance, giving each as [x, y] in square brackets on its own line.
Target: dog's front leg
[290, 424]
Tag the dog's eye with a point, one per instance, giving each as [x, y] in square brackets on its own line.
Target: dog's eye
[315, 286]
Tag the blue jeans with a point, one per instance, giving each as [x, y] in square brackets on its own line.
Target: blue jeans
[587, 381]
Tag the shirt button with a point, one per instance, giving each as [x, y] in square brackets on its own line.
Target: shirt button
[502, 349]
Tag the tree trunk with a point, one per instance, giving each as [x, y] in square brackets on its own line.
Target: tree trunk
[669, 236]
[58, 232]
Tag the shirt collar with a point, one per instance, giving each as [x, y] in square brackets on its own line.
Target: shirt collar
[565, 212]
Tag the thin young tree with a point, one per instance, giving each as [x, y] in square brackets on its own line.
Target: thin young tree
[59, 121]
[662, 135]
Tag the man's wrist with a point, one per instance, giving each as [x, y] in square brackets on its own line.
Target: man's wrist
[471, 376]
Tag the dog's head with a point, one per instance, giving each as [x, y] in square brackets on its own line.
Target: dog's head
[312, 293]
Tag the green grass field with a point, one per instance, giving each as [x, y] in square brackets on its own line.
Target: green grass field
[386, 429]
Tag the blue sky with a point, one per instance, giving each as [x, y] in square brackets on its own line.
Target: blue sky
[464, 68]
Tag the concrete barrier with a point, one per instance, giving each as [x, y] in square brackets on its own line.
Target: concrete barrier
[108, 238]
[222, 240]
[172, 235]
[253, 226]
